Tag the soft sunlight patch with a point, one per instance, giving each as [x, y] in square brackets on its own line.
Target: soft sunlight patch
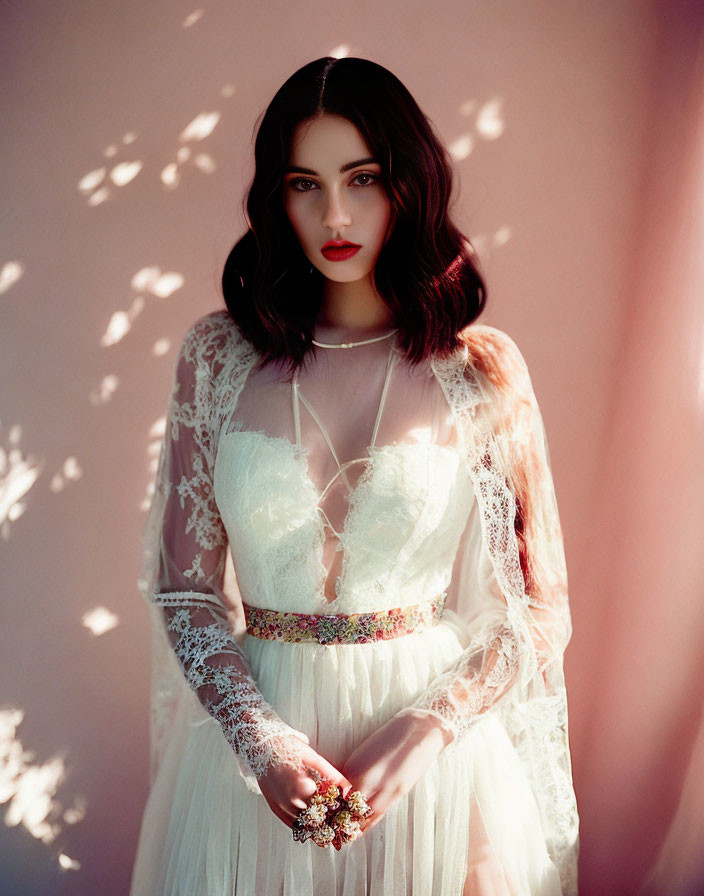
[10, 273]
[490, 120]
[468, 107]
[28, 788]
[340, 52]
[501, 237]
[68, 863]
[121, 322]
[160, 284]
[18, 474]
[99, 196]
[421, 434]
[204, 163]
[201, 127]
[105, 390]
[136, 308]
[146, 501]
[125, 172]
[167, 284]
[161, 347]
[118, 327]
[94, 183]
[155, 437]
[75, 813]
[462, 147]
[91, 180]
[482, 246]
[145, 278]
[99, 620]
[70, 472]
[158, 428]
[72, 469]
[192, 18]
[169, 175]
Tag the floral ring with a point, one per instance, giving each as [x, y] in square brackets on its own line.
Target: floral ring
[330, 819]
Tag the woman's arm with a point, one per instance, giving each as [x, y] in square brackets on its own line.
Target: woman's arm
[183, 576]
[514, 565]
[528, 626]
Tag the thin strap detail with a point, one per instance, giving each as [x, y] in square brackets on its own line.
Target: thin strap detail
[347, 464]
[299, 396]
[296, 414]
[322, 428]
[353, 344]
[384, 391]
[330, 526]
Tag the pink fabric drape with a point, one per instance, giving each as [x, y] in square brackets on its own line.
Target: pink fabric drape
[638, 663]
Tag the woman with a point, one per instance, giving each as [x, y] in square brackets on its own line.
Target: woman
[395, 613]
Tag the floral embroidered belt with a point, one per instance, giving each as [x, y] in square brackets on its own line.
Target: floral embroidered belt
[357, 628]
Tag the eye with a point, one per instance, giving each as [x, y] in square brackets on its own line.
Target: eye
[302, 184]
[370, 177]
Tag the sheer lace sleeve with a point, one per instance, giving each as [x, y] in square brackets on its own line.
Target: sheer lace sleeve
[185, 563]
[522, 635]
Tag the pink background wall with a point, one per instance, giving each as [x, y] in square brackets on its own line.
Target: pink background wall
[578, 134]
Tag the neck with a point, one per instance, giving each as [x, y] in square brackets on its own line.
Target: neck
[355, 307]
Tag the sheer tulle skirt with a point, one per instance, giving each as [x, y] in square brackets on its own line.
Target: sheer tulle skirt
[471, 818]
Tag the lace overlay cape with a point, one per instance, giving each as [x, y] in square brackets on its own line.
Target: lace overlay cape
[512, 664]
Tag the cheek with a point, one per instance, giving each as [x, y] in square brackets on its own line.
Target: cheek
[296, 218]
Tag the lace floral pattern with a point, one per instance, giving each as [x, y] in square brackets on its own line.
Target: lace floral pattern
[187, 581]
[515, 666]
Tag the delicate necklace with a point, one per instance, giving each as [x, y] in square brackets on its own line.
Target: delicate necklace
[353, 344]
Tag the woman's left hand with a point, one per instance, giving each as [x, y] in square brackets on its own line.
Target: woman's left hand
[390, 761]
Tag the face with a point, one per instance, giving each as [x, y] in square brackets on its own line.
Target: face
[333, 192]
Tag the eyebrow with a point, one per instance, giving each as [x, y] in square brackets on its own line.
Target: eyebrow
[291, 169]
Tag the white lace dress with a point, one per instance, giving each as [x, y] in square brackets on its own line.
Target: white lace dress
[349, 490]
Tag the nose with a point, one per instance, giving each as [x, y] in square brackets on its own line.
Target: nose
[336, 214]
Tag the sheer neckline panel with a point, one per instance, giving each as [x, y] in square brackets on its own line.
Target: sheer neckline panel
[368, 400]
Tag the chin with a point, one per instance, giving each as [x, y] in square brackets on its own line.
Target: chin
[350, 278]
[333, 272]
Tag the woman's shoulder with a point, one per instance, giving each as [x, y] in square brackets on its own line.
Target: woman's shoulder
[493, 356]
[485, 340]
[212, 339]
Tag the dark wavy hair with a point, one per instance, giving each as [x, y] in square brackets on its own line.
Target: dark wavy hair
[426, 273]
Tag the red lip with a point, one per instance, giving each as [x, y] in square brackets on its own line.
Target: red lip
[338, 244]
[339, 250]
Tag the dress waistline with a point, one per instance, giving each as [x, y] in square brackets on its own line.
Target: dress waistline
[356, 628]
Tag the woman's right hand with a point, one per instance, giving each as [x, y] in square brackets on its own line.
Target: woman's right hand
[287, 789]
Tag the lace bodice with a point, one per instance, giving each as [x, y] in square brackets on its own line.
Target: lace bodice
[397, 511]
[450, 486]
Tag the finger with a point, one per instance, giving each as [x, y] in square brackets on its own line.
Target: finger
[330, 772]
[291, 815]
[285, 815]
[306, 786]
[314, 762]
